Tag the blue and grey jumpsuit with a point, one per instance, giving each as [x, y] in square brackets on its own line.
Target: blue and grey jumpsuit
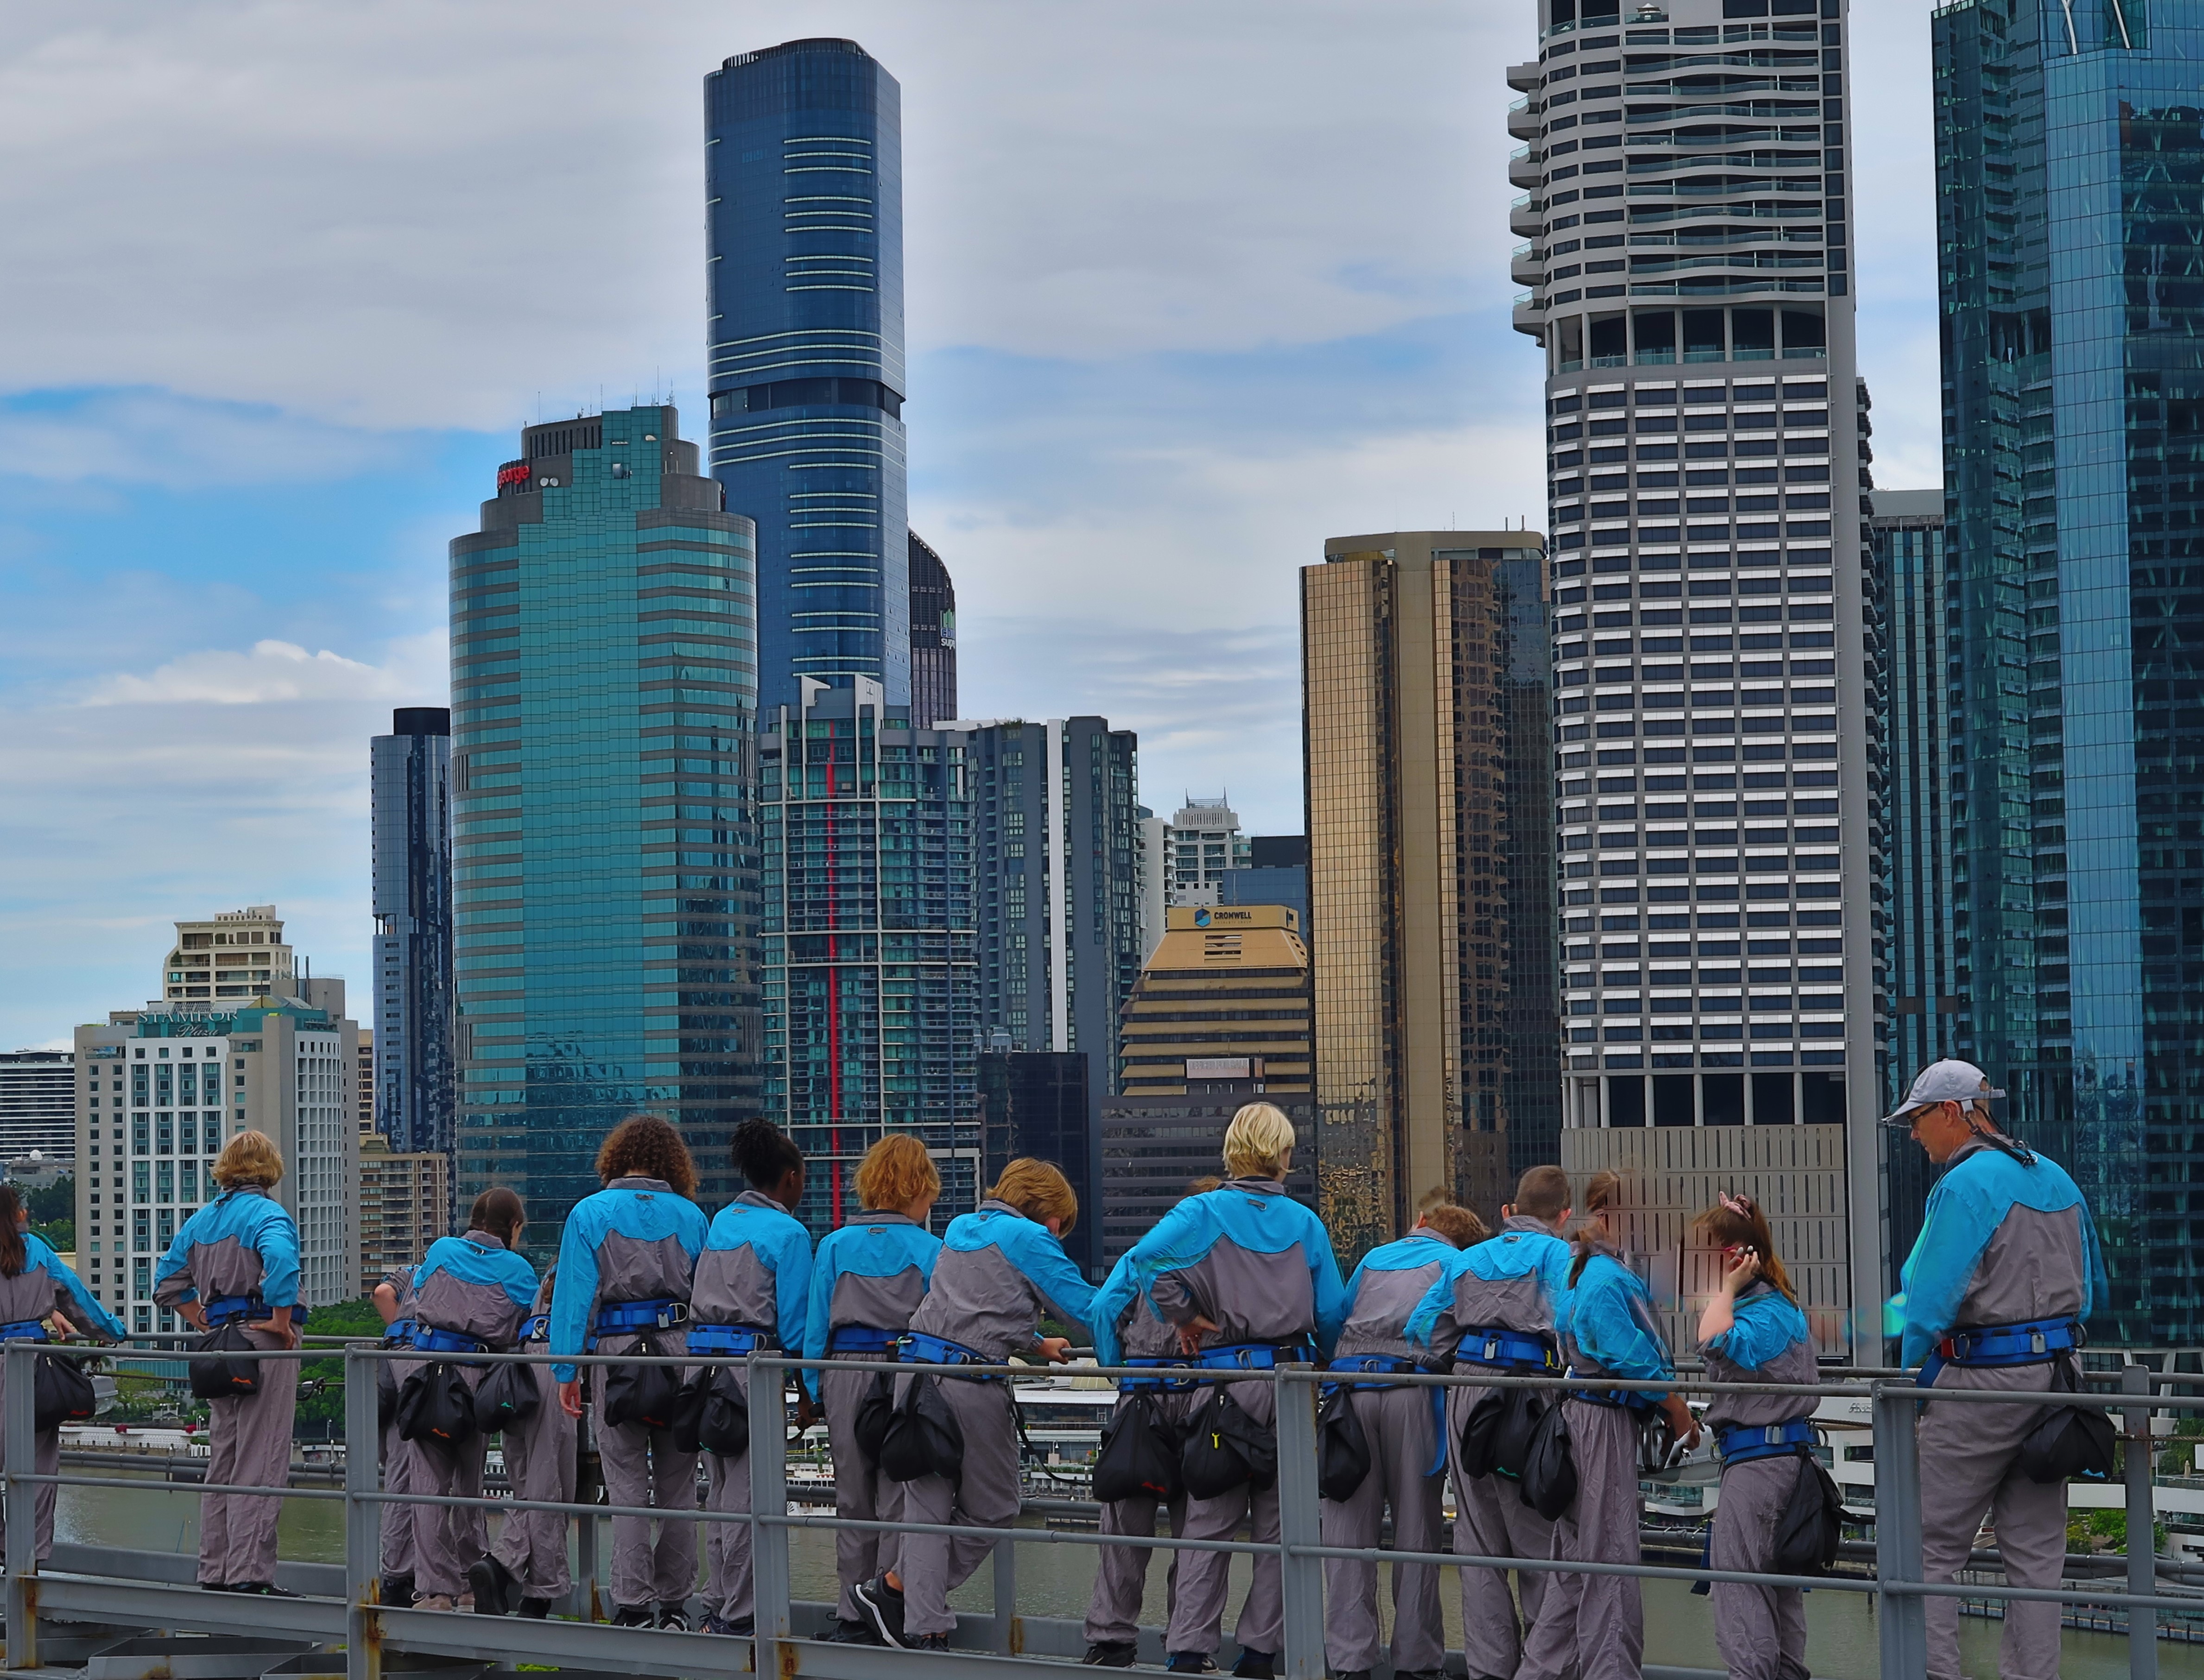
[1760, 1631]
[44, 1286]
[866, 1280]
[1592, 1627]
[1257, 1265]
[399, 1553]
[539, 1462]
[1498, 1306]
[753, 1283]
[626, 1264]
[997, 1273]
[1407, 1461]
[238, 1257]
[1121, 1573]
[470, 1295]
[2005, 1270]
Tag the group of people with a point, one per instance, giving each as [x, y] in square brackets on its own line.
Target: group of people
[1235, 1280]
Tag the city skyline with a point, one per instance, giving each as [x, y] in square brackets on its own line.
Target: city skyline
[228, 461]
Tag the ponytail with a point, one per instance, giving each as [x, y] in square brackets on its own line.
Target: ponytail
[14, 1255]
[1738, 1221]
[1604, 1190]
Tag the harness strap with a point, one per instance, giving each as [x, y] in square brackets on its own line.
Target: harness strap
[431, 1339]
[1254, 1356]
[917, 1347]
[730, 1339]
[27, 1329]
[861, 1339]
[536, 1327]
[621, 1317]
[1744, 1444]
[1504, 1349]
[2031, 1341]
[229, 1309]
[1143, 1385]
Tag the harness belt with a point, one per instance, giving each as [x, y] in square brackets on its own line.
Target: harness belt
[917, 1347]
[859, 1339]
[431, 1339]
[399, 1332]
[1254, 1356]
[28, 1329]
[2030, 1342]
[1504, 1349]
[536, 1328]
[229, 1309]
[623, 1318]
[1156, 1385]
[1618, 1399]
[733, 1339]
[1744, 1444]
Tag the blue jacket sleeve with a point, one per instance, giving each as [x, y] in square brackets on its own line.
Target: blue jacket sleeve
[1761, 1329]
[1041, 1258]
[1610, 1322]
[1331, 1293]
[1111, 1300]
[1957, 1229]
[575, 1293]
[1436, 1299]
[1179, 1239]
[792, 1286]
[1353, 1288]
[276, 1241]
[86, 1312]
[176, 1260]
[818, 1291]
[2095, 1288]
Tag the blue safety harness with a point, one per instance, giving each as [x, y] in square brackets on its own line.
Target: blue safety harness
[1254, 1356]
[1618, 1399]
[432, 1338]
[1744, 1444]
[1156, 1385]
[861, 1339]
[28, 1329]
[917, 1347]
[1520, 1352]
[2030, 1342]
[1384, 1364]
[626, 1317]
[229, 1309]
[733, 1340]
[536, 1328]
[399, 1332]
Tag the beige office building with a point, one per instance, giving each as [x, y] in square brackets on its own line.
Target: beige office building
[1228, 983]
[405, 1204]
[1425, 737]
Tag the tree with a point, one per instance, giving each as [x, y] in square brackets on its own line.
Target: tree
[57, 1202]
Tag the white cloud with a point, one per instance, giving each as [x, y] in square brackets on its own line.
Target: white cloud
[156, 437]
[273, 671]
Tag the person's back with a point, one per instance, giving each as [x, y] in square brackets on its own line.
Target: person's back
[996, 1275]
[635, 1242]
[754, 1272]
[2003, 1243]
[869, 1275]
[1515, 1281]
[474, 1286]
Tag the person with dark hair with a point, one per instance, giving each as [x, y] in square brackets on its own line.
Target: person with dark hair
[753, 1281]
[1752, 1331]
[470, 1295]
[1405, 1430]
[236, 1262]
[1496, 1306]
[867, 1279]
[530, 1557]
[1594, 1624]
[626, 1261]
[999, 1270]
[35, 1286]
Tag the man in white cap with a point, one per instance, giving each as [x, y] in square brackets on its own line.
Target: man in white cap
[2005, 1269]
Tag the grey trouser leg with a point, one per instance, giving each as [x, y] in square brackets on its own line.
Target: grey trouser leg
[399, 1552]
[47, 1456]
[727, 1586]
[642, 1469]
[1203, 1576]
[1592, 1627]
[249, 1445]
[1121, 1574]
[1760, 1631]
[1403, 1441]
[444, 1537]
[931, 1566]
[1967, 1472]
[539, 1458]
[860, 1490]
[1491, 1521]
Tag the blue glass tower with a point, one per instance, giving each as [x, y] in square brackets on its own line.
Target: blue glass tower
[604, 695]
[803, 172]
[412, 1001]
[2070, 160]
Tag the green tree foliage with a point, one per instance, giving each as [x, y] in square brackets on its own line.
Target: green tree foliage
[49, 1206]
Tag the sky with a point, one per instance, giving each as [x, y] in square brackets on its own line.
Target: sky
[1191, 286]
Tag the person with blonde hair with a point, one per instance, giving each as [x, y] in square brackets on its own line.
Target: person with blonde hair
[236, 1262]
[625, 1263]
[867, 1279]
[999, 1270]
[1246, 1277]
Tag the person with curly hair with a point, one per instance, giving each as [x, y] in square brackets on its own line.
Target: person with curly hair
[625, 1266]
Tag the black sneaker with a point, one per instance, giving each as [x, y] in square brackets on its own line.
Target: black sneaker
[264, 1588]
[536, 1610]
[929, 1642]
[492, 1584]
[1256, 1666]
[852, 1633]
[883, 1604]
[1189, 1662]
[673, 1616]
[1110, 1653]
[397, 1590]
[633, 1616]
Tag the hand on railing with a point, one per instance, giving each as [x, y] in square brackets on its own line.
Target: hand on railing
[1682, 1421]
[1056, 1350]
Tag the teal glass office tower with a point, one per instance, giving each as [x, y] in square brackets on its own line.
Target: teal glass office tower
[2069, 161]
[803, 219]
[604, 695]
[868, 951]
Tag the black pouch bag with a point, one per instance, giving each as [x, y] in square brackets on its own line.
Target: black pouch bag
[1496, 1436]
[2068, 1441]
[1810, 1526]
[386, 1393]
[231, 1376]
[436, 1404]
[721, 1422]
[63, 1393]
[649, 1395]
[923, 1437]
[1342, 1450]
[1139, 1458]
[1224, 1449]
[505, 1397]
[871, 1424]
[1550, 1467]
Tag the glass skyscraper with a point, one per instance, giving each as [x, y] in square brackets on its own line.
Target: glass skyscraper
[933, 638]
[409, 1005]
[2069, 161]
[1715, 655]
[803, 171]
[604, 690]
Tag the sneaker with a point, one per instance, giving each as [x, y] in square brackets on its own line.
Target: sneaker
[929, 1642]
[1110, 1653]
[883, 1604]
[1255, 1665]
[1189, 1662]
[492, 1585]
[397, 1590]
[673, 1616]
[434, 1601]
[632, 1616]
[264, 1588]
[536, 1610]
[852, 1633]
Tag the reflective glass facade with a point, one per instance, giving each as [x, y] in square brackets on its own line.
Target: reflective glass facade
[804, 218]
[2071, 201]
[604, 684]
[409, 1003]
[869, 946]
[933, 638]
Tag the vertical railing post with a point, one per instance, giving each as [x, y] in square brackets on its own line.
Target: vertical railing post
[21, 1440]
[1009, 1636]
[362, 1519]
[2142, 1529]
[586, 1533]
[1900, 1623]
[768, 1496]
[1299, 1525]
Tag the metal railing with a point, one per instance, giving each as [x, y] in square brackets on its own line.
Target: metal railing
[342, 1606]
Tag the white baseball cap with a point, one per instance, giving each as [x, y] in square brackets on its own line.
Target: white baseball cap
[1947, 1081]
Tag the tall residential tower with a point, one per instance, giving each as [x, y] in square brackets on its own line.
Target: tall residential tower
[803, 219]
[411, 998]
[1688, 207]
[933, 638]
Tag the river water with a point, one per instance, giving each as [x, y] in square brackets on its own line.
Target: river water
[1055, 1580]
